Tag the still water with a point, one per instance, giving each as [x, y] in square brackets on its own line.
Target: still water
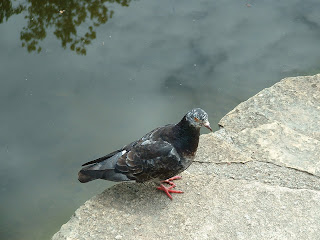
[82, 78]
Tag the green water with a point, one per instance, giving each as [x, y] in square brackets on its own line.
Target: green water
[82, 78]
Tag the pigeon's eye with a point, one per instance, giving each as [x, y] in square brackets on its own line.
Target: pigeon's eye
[196, 119]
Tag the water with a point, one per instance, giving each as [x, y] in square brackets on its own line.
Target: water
[74, 88]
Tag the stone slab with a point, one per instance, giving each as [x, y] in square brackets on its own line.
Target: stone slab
[210, 208]
[279, 144]
[295, 102]
[215, 148]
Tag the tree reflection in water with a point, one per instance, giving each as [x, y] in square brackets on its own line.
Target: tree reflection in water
[64, 17]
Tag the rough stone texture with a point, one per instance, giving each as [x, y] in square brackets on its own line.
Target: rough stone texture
[280, 124]
[294, 102]
[228, 152]
[255, 178]
[277, 143]
[212, 209]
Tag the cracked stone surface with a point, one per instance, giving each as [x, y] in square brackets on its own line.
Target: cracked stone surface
[228, 152]
[294, 102]
[277, 143]
[211, 208]
[280, 124]
[255, 178]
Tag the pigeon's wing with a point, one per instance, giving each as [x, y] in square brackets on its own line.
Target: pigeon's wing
[127, 148]
[149, 159]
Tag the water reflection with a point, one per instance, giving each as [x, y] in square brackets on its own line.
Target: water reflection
[63, 17]
[59, 110]
[7, 10]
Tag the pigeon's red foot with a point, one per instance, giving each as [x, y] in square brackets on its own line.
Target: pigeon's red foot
[169, 190]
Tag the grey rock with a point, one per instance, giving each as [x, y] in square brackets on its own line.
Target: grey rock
[294, 102]
[227, 151]
[211, 208]
[260, 172]
[277, 143]
[280, 124]
[255, 178]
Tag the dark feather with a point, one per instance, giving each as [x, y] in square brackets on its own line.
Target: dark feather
[162, 153]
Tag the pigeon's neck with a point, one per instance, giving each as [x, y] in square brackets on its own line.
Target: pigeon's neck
[187, 138]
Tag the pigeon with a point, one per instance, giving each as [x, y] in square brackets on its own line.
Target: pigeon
[160, 154]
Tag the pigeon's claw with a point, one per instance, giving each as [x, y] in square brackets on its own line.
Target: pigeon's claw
[169, 190]
[171, 179]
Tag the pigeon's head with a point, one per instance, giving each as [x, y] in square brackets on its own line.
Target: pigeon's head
[198, 118]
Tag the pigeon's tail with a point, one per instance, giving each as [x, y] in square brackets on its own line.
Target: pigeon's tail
[87, 175]
[103, 170]
[83, 177]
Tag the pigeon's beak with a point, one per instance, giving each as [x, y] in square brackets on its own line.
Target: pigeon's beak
[207, 125]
